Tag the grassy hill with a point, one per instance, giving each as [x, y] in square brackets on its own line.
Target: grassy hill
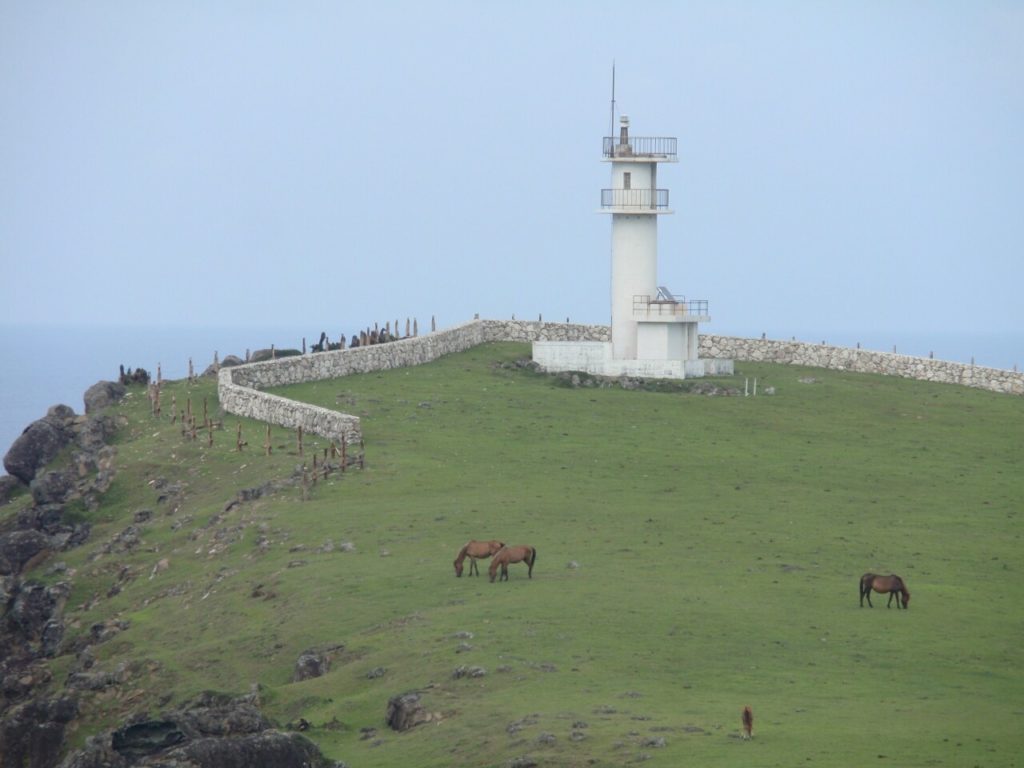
[695, 554]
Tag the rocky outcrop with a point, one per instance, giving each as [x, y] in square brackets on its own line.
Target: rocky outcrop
[103, 393]
[32, 723]
[18, 548]
[93, 431]
[8, 486]
[31, 613]
[32, 734]
[315, 662]
[406, 711]
[52, 487]
[39, 444]
[212, 732]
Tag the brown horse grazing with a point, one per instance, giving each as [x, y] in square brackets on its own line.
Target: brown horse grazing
[476, 550]
[518, 554]
[892, 584]
[748, 723]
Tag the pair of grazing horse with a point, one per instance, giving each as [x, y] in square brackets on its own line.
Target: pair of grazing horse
[892, 584]
[502, 556]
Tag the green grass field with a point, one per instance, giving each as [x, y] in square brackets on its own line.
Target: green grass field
[695, 554]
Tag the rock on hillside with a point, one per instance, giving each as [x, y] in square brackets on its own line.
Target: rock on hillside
[40, 443]
[32, 734]
[101, 394]
[212, 732]
[32, 722]
[44, 438]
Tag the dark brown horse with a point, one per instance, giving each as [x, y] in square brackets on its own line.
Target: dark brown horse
[476, 550]
[892, 584]
[518, 554]
[748, 723]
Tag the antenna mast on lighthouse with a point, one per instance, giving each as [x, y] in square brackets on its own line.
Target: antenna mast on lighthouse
[611, 119]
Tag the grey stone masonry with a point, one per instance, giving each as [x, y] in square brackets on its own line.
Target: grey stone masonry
[863, 361]
[239, 388]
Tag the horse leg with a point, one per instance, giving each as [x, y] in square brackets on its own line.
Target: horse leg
[889, 604]
[473, 567]
[504, 572]
[865, 591]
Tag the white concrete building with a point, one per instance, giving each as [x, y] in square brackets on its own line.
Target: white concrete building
[653, 331]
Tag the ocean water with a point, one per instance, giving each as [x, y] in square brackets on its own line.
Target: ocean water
[40, 367]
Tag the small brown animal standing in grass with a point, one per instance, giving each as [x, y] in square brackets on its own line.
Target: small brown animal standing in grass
[892, 584]
[475, 550]
[518, 554]
[748, 723]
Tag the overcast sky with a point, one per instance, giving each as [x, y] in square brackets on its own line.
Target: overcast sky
[841, 165]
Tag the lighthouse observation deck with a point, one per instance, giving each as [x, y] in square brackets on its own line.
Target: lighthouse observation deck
[634, 200]
[643, 149]
[668, 308]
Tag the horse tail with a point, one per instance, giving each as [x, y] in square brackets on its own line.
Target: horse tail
[533, 556]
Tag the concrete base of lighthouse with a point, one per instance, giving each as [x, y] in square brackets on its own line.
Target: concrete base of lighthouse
[595, 357]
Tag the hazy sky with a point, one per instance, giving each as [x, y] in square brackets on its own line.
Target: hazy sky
[841, 165]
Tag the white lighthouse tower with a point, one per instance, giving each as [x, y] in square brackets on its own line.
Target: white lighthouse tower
[653, 331]
[635, 203]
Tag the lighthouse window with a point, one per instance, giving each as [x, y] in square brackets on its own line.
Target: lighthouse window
[625, 180]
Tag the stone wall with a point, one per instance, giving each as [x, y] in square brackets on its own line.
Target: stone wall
[862, 361]
[239, 388]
